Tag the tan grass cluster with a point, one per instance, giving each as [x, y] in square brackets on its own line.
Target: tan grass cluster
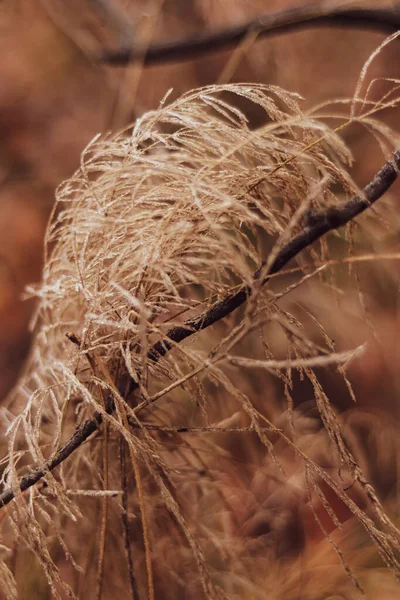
[159, 222]
[169, 216]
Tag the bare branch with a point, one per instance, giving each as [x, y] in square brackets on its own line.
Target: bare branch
[384, 20]
[81, 435]
[164, 429]
[318, 225]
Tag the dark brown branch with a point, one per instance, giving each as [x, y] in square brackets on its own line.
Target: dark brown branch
[81, 435]
[318, 226]
[385, 20]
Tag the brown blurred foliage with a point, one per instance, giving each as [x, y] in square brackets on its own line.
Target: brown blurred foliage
[54, 97]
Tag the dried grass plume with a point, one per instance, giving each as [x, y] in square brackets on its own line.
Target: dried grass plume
[160, 222]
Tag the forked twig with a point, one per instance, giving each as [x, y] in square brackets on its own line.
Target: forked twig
[319, 225]
[385, 20]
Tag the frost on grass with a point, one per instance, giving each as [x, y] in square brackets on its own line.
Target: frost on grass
[159, 222]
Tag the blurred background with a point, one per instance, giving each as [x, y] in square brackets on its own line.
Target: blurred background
[55, 96]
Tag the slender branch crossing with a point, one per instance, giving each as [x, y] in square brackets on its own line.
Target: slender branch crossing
[317, 227]
[385, 20]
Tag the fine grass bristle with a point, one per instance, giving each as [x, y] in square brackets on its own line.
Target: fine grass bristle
[160, 222]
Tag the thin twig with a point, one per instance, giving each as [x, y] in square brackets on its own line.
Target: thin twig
[181, 429]
[145, 524]
[125, 520]
[317, 226]
[104, 518]
[385, 20]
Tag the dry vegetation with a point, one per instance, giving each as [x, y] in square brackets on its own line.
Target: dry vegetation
[257, 458]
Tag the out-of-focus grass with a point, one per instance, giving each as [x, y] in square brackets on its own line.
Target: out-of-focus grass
[53, 99]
